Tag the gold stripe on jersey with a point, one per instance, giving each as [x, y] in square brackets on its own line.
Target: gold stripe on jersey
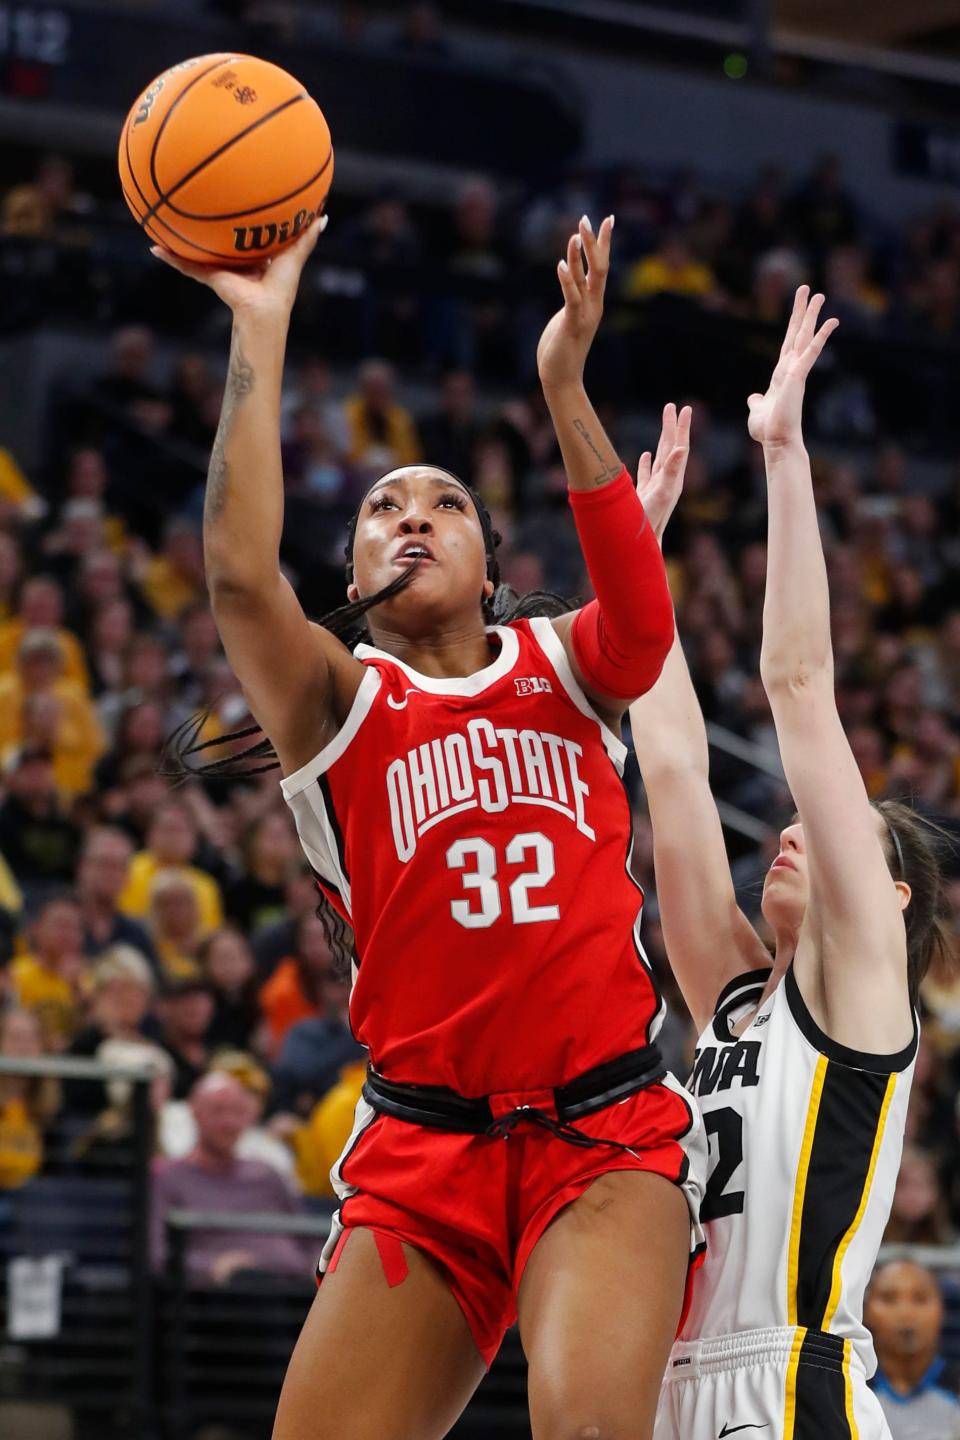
[848, 1391]
[790, 1389]
[800, 1187]
[844, 1245]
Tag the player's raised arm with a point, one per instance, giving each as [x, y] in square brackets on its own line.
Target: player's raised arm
[851, 959]
[258, 615]
[708, 938]
[617, 644]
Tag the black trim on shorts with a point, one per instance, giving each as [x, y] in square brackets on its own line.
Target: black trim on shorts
[890, 1064]
[851, 1104]
[821, 1393]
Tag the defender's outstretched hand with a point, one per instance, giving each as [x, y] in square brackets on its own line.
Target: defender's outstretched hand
[269, 286]
[565, 343]
[775, 418]
[660, 476]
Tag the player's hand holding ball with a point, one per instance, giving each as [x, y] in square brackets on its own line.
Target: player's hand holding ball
[565, 343]
[776, 418]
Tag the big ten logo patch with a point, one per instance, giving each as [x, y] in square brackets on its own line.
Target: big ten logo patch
[262, 237]
[533, 685]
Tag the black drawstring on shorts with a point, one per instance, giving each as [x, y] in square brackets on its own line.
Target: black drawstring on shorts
[438, 1108]
[503, 1128]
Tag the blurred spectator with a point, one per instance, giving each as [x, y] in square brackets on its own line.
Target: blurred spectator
[174, 924]
[381, 431]
[102, 875]
[671, 270]
[41, 607]
[191, 397]
[316, 1048]
[174, 579]
[172, 845]
[37, 839]
[915, 1385]
[314, 391]
[313, 466]
[293, 991]
[27, 1104]
[273, 942]
[824, 212]
[271, 853]
[49, 979]
[49, 206]
[185, 1011]
[128, 385]
[122, 993]
[179, 1127]
[227, 964]
[213, 1177]
[450, 434]
[919, 1213]
[72, 730]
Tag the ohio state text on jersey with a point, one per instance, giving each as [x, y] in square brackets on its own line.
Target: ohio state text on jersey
[476, 834]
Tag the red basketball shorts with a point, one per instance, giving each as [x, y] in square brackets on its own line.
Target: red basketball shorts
[477, 1205]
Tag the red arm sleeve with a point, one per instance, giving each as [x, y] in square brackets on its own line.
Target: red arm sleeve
[622, 638]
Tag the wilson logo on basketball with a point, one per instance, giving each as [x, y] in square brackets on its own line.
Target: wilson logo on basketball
[263, 237]
[150, 95]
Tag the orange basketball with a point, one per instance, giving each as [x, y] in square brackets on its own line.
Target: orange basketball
[224, 159]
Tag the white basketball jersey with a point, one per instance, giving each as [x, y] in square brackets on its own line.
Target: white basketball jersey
[805, 1139]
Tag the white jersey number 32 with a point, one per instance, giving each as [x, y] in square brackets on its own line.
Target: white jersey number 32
[477, 859]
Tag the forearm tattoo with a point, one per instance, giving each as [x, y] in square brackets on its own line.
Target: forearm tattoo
[239, 384]
[606, 472]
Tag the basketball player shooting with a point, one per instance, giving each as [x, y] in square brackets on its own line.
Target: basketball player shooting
[455, 775]
[803, 1066]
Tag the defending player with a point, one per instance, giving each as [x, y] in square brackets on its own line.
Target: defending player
[456, 787]
[803, 1069]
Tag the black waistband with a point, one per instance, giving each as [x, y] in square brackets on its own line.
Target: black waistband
[441, 1109]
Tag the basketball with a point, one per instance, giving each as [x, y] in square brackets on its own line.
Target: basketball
[224, 159]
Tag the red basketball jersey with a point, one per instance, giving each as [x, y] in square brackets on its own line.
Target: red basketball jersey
[476, 833]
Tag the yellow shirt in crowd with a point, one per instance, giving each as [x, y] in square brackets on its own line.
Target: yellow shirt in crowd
[653, 276]
[166, 590]
[52, 999]
[400, 436]
[319, 1142]
[21, 1144]
[135, 896]
[74, 663]
[79, 739]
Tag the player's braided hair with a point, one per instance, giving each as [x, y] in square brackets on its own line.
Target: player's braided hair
[348, 622]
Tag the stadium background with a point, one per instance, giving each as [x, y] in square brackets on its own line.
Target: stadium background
[146, 938]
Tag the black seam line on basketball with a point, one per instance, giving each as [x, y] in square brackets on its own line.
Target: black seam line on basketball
[187, 240]
[254, 209]
[139, 218]
[227, 59]
[234, 140]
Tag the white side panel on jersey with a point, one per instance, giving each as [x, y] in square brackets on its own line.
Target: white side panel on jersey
[363, 1118]
[304, 795]
[552, 646]
[362, 702]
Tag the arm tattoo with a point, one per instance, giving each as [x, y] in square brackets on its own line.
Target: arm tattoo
[606, 472]
[239, 384]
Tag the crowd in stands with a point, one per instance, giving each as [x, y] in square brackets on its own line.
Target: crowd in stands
[176, 927]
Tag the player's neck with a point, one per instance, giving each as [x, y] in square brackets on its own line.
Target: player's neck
[448, 653]
[904, 1372]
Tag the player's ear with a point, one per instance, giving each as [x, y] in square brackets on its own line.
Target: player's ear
[353, 594]
[488, 589]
